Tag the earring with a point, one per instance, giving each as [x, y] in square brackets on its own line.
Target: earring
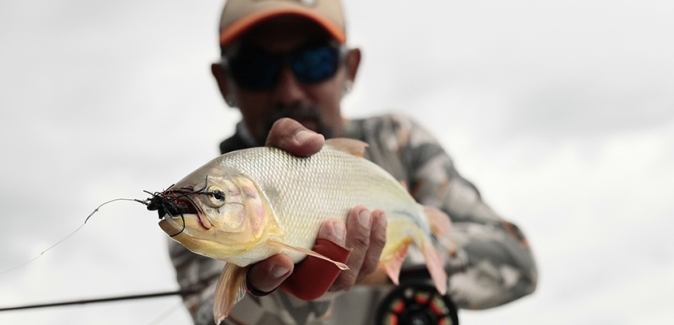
[346, 87]
[231, 102]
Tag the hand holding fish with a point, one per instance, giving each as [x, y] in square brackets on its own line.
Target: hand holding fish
[366, 237]
[263, 209]
[364, 233]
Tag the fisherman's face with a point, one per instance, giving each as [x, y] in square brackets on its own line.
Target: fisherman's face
[315, 105]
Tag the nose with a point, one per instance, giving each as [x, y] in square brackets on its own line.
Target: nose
[288, 90]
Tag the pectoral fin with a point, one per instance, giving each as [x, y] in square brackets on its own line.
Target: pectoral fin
[230, 289]
[273, 242]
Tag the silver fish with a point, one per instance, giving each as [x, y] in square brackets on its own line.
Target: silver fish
[248, 205]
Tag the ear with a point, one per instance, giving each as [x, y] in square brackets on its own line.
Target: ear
[352, 64]
[220, 76]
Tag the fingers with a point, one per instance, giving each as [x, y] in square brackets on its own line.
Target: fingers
[366, 248]
[334, 230]
[364, 234]
[377, 243]
[267, 275]
[289, 135]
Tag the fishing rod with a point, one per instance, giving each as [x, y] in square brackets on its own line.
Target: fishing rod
[182, 292]
[412, 302]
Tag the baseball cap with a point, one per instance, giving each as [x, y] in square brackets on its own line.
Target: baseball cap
[238, 16]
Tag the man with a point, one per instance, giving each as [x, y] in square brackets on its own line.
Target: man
[285, 65]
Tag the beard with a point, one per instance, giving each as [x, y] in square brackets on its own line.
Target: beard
[309, 116]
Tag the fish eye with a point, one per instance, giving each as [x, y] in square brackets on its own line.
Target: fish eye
[216, 195]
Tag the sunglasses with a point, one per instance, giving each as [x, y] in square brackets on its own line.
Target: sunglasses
[255, 69]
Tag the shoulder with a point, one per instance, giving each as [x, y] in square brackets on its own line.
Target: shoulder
[396, 129]
[235, 142]
[386, 127]
[387, 121]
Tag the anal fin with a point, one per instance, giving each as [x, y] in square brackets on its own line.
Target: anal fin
[230, 289]
[394, 263]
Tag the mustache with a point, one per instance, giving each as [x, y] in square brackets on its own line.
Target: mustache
[298, 112]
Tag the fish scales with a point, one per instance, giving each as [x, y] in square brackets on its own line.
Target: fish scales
[304, 192]
[247, 205]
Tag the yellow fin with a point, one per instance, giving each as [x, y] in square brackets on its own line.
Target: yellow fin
[435, 267]
[230, 289]
[273, 242]
[439, 221]
[354, 147]
[401, 235]
[394, 263]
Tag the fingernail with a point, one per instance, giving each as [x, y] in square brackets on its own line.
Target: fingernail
[339, 230]
[302, 136]
[364, 218]
[382, 221]
[333, 230]
[279, 271]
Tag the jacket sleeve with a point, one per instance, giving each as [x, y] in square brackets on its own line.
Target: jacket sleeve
[489, 259]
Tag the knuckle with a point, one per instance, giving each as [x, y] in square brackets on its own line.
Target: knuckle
[345, 281]
[280, 131]
[378, 240]
[360, 241]
[368, 268]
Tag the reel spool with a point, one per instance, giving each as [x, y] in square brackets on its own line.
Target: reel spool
[416, 303]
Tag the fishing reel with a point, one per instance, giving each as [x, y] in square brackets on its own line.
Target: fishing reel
[415, 302]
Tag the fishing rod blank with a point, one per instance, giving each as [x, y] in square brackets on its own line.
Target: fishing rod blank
[183, 293]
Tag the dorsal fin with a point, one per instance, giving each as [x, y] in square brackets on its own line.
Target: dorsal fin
[351, 146]
[403, 183]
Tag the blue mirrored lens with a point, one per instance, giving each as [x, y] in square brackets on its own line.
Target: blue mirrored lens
[315, 64]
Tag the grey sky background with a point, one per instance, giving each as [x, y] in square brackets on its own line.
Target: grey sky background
[561, 112]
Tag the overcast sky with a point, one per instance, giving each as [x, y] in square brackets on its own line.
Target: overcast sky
[561, 112]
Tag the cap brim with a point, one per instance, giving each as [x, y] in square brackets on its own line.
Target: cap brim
[241, 26]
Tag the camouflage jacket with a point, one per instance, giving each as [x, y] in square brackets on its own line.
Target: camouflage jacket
[492, 266]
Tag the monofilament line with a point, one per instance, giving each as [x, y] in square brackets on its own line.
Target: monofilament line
[72, 233]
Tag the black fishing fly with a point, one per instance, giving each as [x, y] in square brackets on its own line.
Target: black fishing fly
[178, 202]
